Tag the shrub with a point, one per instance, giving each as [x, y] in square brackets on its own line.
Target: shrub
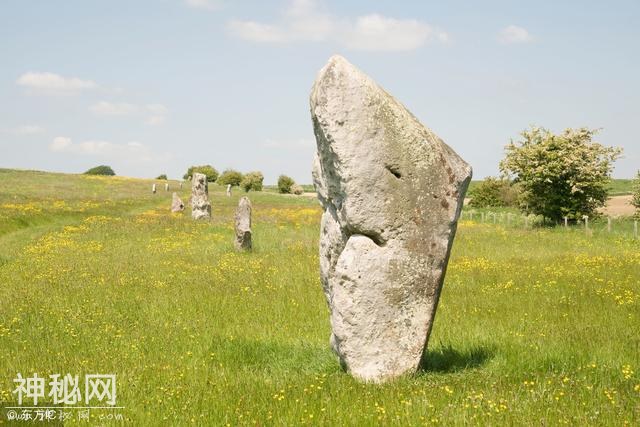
[252, 181]
[101, 170]
[560, 175]
[494, 192]
[230, 176]
[284, 184]
[163, 177]
[208, 170]
[635, 198]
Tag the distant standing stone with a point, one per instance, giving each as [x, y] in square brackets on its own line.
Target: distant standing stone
[392, 192]
[166, 186]
[200, 205]
[228, 190]
[153, 189]
[243, 224]
[176, 204]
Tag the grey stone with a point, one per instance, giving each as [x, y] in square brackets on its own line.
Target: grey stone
[243, 224]
[297, 189]
[200, 205]
[392, 192]
[228, 190]
[176, 203]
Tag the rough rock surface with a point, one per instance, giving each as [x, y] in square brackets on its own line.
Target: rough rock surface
[392, 192]
[200, 205]
[243, 224]
[176, 204]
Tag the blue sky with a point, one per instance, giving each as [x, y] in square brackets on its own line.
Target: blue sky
[152, 87]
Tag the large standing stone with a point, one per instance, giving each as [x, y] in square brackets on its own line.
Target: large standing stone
[243, 224]
[200, 205]
[176, 203]
[392, 192]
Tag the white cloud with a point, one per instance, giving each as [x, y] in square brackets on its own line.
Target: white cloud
[256, 32]
[114, 109]
[60, 143]
[50, 83]
[132, 152]
[24, 130]
[514, 34]
[203, 4]
[304, 21]
[376, 32]
[155, 113]
[28, 130]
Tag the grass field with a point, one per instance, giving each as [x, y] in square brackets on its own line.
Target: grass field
[535, 327]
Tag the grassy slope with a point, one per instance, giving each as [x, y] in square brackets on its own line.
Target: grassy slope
[534, 326]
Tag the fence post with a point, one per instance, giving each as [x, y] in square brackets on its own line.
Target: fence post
[586, 223]
[635, 229]
[608, 224]
[566, 222]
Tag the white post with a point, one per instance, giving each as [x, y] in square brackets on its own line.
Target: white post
[494, 217]
[609, 224]
[166, 186]
[566, 219]
[153, 189]
[586, 223]
[635, 229]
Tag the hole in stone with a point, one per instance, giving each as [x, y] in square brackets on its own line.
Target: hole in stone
[394, 171]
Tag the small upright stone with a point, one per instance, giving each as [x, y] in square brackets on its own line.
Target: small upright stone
[166, 186]
[153, 189]
[200, 205]
[176, 204]
[228, 190]
[243, 224]
[392, 192]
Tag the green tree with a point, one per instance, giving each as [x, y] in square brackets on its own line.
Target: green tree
[208, 170]
[101, 170]
[494, 192]
[252, 181]
[285, 184]
[560, 175]
[163, 177]
[635, 198]
[230, 176]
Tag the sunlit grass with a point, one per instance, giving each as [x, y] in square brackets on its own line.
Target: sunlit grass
[534, 327]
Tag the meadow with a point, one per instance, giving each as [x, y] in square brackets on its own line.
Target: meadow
[536, 326]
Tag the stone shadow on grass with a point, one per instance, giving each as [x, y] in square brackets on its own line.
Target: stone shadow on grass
[448, 359]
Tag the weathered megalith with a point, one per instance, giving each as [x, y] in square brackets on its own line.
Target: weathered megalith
[200, 205]
[176, 203]
[243, 224]
[392, 192]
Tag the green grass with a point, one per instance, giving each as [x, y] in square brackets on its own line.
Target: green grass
[535, 326]
[620, 187]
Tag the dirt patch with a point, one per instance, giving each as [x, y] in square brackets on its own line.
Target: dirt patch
[618, 206]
